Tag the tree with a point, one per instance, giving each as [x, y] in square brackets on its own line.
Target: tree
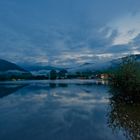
[53, 74]
[62, 73]
[127, 78]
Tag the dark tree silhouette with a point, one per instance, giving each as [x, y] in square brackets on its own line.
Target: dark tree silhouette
[53, 74]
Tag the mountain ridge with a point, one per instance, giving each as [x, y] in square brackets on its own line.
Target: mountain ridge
[8, 66]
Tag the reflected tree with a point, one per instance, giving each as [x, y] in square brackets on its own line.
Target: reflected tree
[52, 85]
[63, 85]
[125, 117]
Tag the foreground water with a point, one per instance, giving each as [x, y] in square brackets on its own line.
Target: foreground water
[66, 110]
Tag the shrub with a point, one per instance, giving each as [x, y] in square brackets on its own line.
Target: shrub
[126, 79]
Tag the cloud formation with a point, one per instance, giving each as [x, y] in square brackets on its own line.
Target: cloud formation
[68, 32]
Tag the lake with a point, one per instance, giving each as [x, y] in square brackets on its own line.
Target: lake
[64, 110]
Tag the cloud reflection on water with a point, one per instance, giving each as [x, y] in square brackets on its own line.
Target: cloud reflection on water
[58, 112]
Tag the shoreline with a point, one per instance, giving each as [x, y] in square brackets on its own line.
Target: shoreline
[61, 81]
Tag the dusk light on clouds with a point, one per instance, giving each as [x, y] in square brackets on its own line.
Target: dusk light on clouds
[66, 32]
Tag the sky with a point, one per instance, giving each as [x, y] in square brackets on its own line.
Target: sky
[68, 32]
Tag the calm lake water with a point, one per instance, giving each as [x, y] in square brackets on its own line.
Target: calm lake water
[64, 110]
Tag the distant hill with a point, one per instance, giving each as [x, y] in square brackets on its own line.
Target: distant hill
[43, 70]
[9, 71]
[90, 67]
[137, 57]
[40, 70]
[100, 66]
[116, 62]
[8, 66]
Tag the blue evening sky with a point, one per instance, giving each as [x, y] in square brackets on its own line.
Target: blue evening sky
[68, 32]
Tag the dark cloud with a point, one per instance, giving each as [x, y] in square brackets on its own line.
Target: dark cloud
[62, 32]
[136, 41]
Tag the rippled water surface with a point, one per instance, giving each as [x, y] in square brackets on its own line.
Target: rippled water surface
[63, 111]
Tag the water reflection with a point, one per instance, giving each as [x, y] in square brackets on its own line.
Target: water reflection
[7, 89]
[126, 118]
[54, 85]
[64, 111]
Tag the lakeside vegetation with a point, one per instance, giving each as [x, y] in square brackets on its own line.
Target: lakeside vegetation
[52, 75]
[125, 80]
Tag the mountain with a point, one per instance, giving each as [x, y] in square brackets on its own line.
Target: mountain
[8, 66]
[37, 69]
[116, 62]
[10, 71]
[43, 70]
[136, 56]
[90, 67]
[100, 66]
